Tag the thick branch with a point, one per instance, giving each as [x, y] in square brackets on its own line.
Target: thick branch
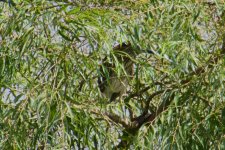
[161, 109]
[148, 118]
[145, 112]
[117, 119]
[113, 117]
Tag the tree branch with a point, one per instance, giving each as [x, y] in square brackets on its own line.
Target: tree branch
[117, 119]
[148, 118]
[145, 112]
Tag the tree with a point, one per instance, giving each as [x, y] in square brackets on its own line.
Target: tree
[49, 63]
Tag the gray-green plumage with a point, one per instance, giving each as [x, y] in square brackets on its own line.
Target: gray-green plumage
[110, 84]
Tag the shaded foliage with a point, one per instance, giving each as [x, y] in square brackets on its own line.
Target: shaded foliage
[49, 63]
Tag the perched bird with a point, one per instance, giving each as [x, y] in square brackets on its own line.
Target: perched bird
[112, 84]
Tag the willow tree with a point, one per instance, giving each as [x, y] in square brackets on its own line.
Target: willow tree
[50, 56]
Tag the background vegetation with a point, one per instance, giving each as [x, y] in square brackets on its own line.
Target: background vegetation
[49, 62]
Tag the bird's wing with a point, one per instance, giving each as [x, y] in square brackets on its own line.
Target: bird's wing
[106, 69]
[105, 73]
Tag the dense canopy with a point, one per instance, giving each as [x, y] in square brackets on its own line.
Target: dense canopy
[50, 54]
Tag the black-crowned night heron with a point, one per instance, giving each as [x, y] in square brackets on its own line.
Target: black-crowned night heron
[111, 83]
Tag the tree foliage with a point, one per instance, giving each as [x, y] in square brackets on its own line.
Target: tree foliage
[50, 55]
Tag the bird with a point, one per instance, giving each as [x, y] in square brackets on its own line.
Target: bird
[112, 84]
